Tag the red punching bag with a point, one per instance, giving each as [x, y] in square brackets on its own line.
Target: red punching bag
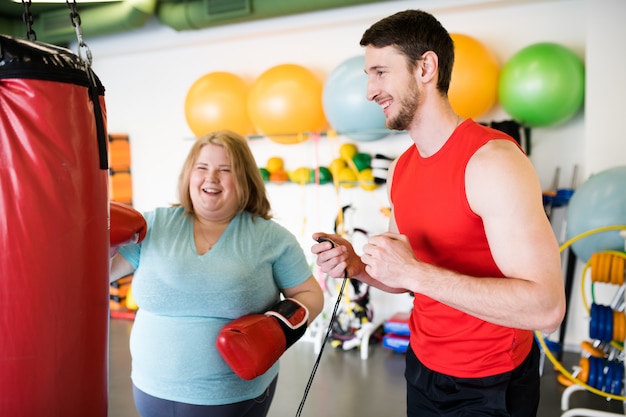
[54, 239]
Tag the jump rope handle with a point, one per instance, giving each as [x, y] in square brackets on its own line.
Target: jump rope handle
[325, 239]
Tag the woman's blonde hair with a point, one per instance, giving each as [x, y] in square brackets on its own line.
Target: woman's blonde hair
[249, 184]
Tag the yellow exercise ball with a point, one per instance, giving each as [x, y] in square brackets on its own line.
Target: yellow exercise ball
[216, 101]
[347, 151]
[337, 165]
[366, 180]
[474, 84]
[285, 102]
[275, 163]
[347, 177]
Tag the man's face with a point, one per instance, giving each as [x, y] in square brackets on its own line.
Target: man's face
[391, 85]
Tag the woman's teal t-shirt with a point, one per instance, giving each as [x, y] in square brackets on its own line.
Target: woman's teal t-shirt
[184, 300]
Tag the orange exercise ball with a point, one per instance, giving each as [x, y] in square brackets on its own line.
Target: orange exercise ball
[216, 101]
[285, 102]
[474, 84]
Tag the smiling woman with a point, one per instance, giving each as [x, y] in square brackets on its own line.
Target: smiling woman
[214, 260]
[213, 194]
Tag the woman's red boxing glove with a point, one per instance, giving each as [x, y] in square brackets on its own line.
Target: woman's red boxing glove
[251, 344]
[126, 225]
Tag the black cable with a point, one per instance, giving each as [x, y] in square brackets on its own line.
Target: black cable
[330, 326]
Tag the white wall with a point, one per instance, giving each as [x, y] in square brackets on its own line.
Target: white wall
[606, 85]
[148, 72]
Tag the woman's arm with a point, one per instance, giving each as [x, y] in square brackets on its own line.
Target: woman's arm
[310, 294]
[119, 267]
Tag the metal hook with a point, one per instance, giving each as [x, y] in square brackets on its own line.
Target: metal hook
[76, 22]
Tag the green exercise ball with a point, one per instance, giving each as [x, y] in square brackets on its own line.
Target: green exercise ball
[542, 85]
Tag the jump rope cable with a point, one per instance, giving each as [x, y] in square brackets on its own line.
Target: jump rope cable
[333, 315]
[328, 331]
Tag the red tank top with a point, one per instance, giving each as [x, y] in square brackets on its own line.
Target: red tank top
[430, 207]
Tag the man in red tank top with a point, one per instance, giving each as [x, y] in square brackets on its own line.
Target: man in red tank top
[468, 236]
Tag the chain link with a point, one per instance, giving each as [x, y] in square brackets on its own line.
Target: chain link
[27, 18]
[75, 20]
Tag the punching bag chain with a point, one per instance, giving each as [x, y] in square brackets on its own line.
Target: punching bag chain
[75, 19]
[27, 18]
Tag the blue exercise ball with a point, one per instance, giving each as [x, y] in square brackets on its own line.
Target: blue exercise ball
[345, 104]
[542, 85]
[598, 202]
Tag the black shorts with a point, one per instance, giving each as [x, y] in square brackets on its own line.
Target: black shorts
[511, 394]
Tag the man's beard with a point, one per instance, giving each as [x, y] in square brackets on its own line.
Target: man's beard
[408, 106]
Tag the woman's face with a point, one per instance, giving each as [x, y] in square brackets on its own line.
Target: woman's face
[212, 185]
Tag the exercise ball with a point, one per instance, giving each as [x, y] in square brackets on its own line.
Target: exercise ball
[346, 106]
[474, 83]
[542, 85]
[599, 202]
[285, 102]
[217, 101]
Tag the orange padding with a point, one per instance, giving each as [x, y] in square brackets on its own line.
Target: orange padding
[619, 326]
[607, 268]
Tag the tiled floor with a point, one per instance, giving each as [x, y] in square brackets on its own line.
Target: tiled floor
[344, 384]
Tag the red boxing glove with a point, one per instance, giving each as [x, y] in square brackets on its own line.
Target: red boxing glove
[126, 225]
[251, 344]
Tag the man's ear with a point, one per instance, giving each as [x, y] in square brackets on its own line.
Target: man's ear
[427, 67]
